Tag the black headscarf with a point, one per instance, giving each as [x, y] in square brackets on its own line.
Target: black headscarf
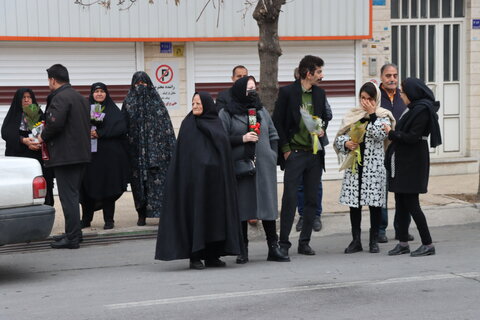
[200, 203]
[240, 101]
[11, 124]
[114, 123]
[421, 96]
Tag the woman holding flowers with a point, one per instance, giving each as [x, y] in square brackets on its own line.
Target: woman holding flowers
[151, 141]
[254, 141]
[200, 213]
[361, 139]
[106, 177]
[25, 114]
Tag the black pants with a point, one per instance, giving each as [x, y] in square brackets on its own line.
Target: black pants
[88, 208]
[69, 178]
[375, 218]
[406, 205]
[300, 164]
[270, 231]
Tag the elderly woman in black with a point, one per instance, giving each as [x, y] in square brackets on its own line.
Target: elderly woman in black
[15, 132]
[200, 214]
[151, 141]
[408, 161]
[106, 176]
[257, 192]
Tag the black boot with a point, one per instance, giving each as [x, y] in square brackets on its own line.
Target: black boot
[275, 254]
[374, 241]
[356, 244]
[243, 258]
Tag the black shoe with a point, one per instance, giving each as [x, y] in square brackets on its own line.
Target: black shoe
[84, 224]
[276, 254]
[241, 259]
[354, 246]
[410, 237]
[284, 252]
[141, 221]
[423, 251]
[196, 264]
[305, 249]
[214, 263]
[398, 250]
[373, 243]
[66, 243]
[299, 225]
[63, 235]
[108, 225]
[382, 239]
[317, 224]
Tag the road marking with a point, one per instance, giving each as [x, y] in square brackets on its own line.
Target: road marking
[229, 295]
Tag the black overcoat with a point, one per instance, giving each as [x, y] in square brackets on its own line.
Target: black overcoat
[67, 129]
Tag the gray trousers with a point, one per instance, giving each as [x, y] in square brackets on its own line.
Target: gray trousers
[69, 179]
[300, 164]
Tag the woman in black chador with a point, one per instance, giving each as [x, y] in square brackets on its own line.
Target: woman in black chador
[15, 132]
[106, 177]
[200, 215]
[151, 141]
[408, 161]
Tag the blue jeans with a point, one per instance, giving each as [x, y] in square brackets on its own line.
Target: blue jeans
[301, 199]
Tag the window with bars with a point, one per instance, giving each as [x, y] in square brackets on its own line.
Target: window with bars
[425, 9]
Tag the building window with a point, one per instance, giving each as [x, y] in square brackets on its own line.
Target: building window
[410, 9]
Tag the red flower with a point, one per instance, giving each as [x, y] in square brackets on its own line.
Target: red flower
[252, 112]
[255, 127]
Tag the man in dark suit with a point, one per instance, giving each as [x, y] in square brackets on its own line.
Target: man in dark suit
[224, 97]
[67, 136]
[296, 155]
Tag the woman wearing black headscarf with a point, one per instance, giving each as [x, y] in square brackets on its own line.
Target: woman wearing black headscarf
[200, 214]
[106, 177]
[257, 192]
[408, 161]
[151, 141]
[15, 132]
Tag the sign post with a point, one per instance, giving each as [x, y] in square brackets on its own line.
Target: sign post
[166, 82]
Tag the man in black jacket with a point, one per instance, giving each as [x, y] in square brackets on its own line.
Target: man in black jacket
[224, 97]
[67, 137]
[296, 155]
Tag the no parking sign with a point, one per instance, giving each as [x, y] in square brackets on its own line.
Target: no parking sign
[166, 82]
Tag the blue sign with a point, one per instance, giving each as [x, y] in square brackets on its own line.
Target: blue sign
[475, 23]
[166, 47]
[379, 2]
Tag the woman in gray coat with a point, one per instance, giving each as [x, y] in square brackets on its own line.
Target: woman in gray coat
[253, 138]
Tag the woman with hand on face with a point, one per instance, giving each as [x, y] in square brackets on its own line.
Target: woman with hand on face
[257, 192]
[365, 184]
[106, 177]
[200, 214]
[408, 161]
[16, 134]
[151, 141]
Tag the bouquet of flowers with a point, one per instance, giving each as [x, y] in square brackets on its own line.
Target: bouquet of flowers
[96, 119]
[253, 125]
[314, 125]
[354, 158]
[36, 131]
[32, 115]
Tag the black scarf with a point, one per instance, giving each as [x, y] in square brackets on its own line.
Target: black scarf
[240, 101]
[11, 124]
[421, 97]
[114, 119]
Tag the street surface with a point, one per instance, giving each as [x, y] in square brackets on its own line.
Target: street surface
[123, 281]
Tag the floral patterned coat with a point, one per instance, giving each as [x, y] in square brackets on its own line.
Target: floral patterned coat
[374, 186]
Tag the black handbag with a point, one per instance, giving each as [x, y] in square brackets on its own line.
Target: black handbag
[245, 167]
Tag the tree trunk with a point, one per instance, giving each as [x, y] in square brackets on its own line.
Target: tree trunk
[266, 14]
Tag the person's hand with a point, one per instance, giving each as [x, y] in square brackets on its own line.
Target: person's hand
[368, 106]
[39, 138]
[93, 134]
[321, 134]
[387, 128]
[286, 154]
[250, 137]
[32, 143]
[350, 145]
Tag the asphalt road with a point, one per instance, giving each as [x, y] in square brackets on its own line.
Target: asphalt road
[122, 281]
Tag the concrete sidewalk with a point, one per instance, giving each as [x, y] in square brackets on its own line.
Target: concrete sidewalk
[439, 208]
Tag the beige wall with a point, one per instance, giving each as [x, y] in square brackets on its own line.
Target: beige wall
[153, 55]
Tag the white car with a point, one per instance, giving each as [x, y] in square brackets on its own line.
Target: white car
[23, 216]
